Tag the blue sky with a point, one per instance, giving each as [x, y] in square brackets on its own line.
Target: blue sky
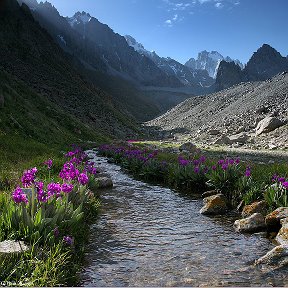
[182, 28]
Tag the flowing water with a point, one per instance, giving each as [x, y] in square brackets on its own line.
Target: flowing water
[152, 236]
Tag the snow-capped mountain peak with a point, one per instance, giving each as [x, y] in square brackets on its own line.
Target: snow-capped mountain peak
[138, 47]
[79, 17]
[209, 61]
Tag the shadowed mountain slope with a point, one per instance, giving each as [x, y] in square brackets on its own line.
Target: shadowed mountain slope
[29, 53]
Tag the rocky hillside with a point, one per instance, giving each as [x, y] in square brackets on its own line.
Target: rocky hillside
[28, 53]
[253, 114]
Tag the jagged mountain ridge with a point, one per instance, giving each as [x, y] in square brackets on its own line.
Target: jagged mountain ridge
[210, 61]
[43, 66]
[118, 55]
[265, 63]
[97, 44]
[195, 78]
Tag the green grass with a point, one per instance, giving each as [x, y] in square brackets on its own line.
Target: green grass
[234, 183]
[34, 129]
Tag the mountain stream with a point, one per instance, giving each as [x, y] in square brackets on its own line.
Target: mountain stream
[152, 236]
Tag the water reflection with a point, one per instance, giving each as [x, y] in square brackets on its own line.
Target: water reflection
[151, 236]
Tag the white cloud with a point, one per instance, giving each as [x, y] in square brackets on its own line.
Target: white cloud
[204, 1]
[175, 17]
[219, 5]
[168, 22]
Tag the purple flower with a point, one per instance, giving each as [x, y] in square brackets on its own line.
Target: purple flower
[83, 179]
[221, 162]
[67, 188]
[231, 161]
[196, 170]
[202, 159]
[69, 172]
[285, 184]
[224, 166]
[196, 162]
[281, 179]
[70, 154]
[56, 232]
[42, 195]
[248, 172]
[19, 196]
[89, 167]
[68, 240]
[54, 188]
[49, 163]
[28, 177]
[183, 162]
[275, 178]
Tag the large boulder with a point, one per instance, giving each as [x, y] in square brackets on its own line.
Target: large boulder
[104, 182]
[223, 140]
[282, 236]
[209, 193]
[239, 138]
[253, 223]
[255, 207]
[273, 219]
[188, 147]
[277, 257]
[268, 124]
[214, 205]
[10, 248]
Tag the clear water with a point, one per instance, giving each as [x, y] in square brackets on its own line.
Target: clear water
[151, 236]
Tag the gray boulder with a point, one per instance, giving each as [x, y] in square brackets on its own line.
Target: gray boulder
[214, 205]
[11, 247]
[104, 182]
[273, 219]
[267, 125]
[282, 236]
[239, 138]
[255, 207]
[188, 147]
[209, 193]
[223, 140]
[277, 257]
[253, 223]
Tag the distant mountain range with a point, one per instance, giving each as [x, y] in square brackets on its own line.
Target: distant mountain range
[122, 77]
[197, 78]
[99, 48]
[210, 61]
